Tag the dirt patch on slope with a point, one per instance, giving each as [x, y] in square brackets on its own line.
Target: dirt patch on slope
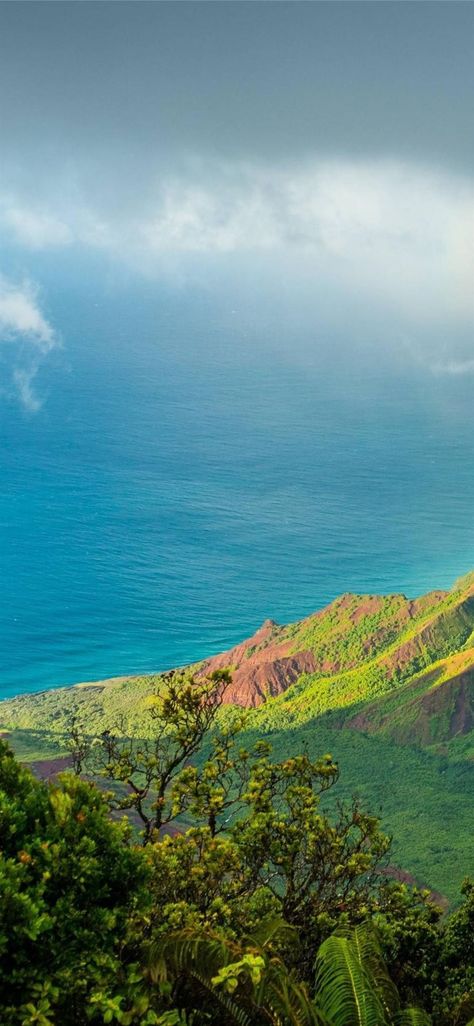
[369, 606]
[47, 769]
[265, 678]
[402, 876]
[262, 666]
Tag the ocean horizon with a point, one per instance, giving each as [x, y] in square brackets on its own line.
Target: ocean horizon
[193, 471]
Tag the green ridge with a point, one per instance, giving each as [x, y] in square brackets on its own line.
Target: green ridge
[391, 698]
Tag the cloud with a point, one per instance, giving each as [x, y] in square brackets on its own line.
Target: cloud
[36, 229]
[21, 317]
[225, 218]
[386, 245]
[23, 378]
[395, 233]
[29, 226]
[27, 338]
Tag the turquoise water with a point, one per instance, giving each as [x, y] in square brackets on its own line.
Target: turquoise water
[192, 472]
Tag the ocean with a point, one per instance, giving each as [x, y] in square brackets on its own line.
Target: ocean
[195, 469]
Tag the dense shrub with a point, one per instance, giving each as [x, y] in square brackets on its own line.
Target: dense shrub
[71, 889]
[98, 927]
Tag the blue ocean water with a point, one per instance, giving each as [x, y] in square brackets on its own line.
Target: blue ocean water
[193, 471]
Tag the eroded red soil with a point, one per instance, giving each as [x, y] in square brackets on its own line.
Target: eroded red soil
[262, 666]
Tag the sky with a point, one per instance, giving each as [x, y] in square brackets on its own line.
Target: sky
[323, 149]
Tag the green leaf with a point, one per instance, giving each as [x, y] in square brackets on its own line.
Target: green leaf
[345, 993]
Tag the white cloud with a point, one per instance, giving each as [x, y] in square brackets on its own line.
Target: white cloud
[393, 236]
[27, 335]
[33, 227]
[21, 317]
[23, 378]
[398, 233]
[36, 229]
[195, 219]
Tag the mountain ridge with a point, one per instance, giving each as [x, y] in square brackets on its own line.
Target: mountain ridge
[384, 683]
[358, 649]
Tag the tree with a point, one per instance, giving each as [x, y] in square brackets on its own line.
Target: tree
[253, 839]
[79, 744]
[275, 852]
[321, 872]
[71, 892]
[264, 882]
[181, 717]
[454, 973]
[408, 924]
[259, 842]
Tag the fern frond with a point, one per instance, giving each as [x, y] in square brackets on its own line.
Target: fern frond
[272, 930]
[412, 1017]
[181, 950]
[195, 959]
[345, 992]
[367, 945]
[284, 1000]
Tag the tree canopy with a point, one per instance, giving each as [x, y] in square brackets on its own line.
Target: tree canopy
[189, 878]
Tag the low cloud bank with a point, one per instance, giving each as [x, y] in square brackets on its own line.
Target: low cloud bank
[392, 241]
[398, 233]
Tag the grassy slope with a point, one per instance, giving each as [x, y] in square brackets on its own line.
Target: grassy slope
[417, 648]
[96, 707]
[426, 801]
[435, 708]
[374, 654]
[380, 661]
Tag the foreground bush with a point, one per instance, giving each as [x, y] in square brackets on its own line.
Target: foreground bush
[215, 980]
[71, 887]
[98, 927]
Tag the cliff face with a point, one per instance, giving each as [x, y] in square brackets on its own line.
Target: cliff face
[338, 638]
[262, 667]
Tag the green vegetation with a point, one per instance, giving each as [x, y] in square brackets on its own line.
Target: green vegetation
[253, 894]
[69, 885]
[250, 985]
[391, 696]
[425, 800]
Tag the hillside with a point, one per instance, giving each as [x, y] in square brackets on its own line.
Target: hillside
[384, 682]
[385, 664]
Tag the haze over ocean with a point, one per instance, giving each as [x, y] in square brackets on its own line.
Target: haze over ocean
[236, 321]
